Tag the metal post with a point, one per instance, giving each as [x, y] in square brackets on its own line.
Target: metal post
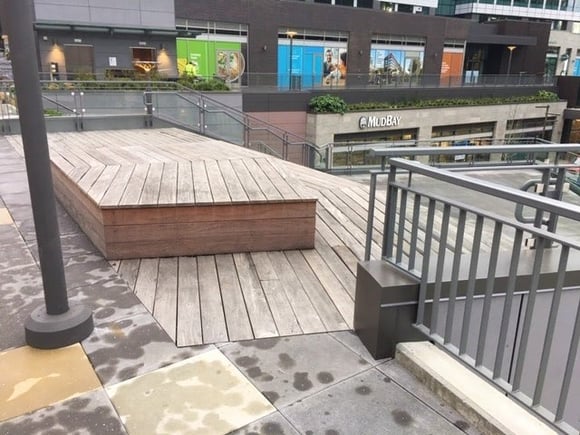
[290, 34]
[56, 324]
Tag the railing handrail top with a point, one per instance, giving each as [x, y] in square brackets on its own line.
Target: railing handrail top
[484, 167]
[563, 209]
[485, 149]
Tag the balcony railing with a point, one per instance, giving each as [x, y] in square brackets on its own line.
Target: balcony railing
[501, 295]
[296, 82]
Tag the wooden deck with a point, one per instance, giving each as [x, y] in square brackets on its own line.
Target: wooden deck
[237, 296]
[166, 192]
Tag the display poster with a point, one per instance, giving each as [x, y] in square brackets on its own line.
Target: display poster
[576, 69]
[451, 68]
[208, 59]
[312, 65]
[391, 65]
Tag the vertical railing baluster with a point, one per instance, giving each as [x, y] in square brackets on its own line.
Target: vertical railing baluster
[425, 265]
[493, 257]
[371, 216]
[471, 284]
[521, 356]
[439, 271]
[414, 231]
[569, 368]
[390, 214]
[551, 325]
[455, 276]
[401, 232]
[507, 307]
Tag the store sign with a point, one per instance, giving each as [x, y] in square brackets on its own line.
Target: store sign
[378, 121]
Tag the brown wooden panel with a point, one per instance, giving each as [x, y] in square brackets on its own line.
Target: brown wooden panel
[236, 231]
[152, 215]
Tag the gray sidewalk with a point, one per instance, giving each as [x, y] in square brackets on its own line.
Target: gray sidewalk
[310, 384]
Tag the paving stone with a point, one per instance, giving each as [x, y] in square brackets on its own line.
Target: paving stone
[109, 300]
[409, 383]
[273, 424]
[368, 403]
[89, 413]
[291, 368]
[88, 269]
[33, 379]
[204, 394]
[14, 251]
[120, 350]
[351, 340]
[72, 245]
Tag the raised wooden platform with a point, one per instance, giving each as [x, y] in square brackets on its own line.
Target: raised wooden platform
[167, 192]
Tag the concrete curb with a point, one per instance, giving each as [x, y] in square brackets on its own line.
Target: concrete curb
[485, 407]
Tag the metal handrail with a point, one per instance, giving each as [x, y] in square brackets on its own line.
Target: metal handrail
[449, 276]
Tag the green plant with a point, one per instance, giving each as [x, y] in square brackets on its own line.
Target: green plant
[540, 97]
[327, 104]
[203, 85]
[52, 112]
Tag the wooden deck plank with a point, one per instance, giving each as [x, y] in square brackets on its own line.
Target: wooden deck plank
[261, 318]
[165, 308]
[339, 295]
[201, 187]
[146, 284]
[219, 191]
[185, 189]
[252, 189]
[284, 317]
[168, 188]
[237, 320]
[129, 270]
[285, 189]
[270, 192]
[213, 321]
[103, 183]
[117, 188]
[232, 182]
[306, 315]
[189, 332]
[134, 186]
[335, 263]
[152, 185]
[89, 178]
[323, 304]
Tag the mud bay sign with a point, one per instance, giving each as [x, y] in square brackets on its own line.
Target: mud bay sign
[378, 121]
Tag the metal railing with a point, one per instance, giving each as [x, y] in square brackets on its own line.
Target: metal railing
[510, 313]
[373, 80]
[176, 105]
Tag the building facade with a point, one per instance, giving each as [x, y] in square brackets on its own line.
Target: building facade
[105, 37]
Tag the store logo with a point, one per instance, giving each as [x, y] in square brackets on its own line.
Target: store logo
[378, 121]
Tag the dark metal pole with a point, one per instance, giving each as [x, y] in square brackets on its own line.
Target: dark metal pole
[57, 324]
[290, 65]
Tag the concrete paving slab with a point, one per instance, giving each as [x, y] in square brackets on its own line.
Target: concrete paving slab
[368, 403]
[89, 269]
[273, 424]
[292, 368]
[204, 394]
[351, 340]
[122, 349]
[409, 383]
[5, 218]
[89, 413]
[33, 379]
[14, 251]
[72, 245]
[109, 300]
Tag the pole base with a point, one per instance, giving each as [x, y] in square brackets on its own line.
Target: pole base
[50, 331]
